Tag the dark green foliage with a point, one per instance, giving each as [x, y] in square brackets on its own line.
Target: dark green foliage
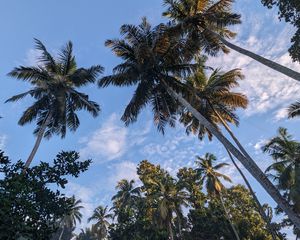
[31, 203]
[289, 11]
[55, 83]
[209, 221]
[152, 60]
[285, 170]
[148, 216]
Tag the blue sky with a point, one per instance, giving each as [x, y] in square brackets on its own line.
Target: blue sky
[115, 149]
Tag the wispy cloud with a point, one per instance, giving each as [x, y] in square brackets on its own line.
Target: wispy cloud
[112, 140]
[32, 57]
[124, 170]
[176, 151]
[266, 89]
[3, 139]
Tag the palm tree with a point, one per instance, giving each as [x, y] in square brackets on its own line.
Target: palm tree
[286, 169]
[101, 215]
[54, 87]
[214, 99]
[74, 215]
[212, 180]
[127, 194]
[156, 61]
[167, 199]
[87, 234]
[206, 25]
[217, 102]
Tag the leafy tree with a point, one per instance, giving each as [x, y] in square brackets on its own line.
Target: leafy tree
[155, 60]
[101, 216]
[209, 221]
[30, 205]
[188, 179]
[206, 24]
[289, 10]
[54, 88]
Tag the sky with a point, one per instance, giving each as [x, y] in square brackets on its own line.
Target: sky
[115, 149]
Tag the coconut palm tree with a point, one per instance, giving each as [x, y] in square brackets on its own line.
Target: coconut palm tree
[167, 200]
[55, 84]
[214, 99]
[74, 215]
[212, 180]
[286, 169]
[206, 25]
[101, 216]
[127, 194]
[156, 62]
[218, 103]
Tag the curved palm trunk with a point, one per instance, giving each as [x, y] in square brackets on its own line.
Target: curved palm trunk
[248, 163]
[38, 140]
[228, 218]
[258, 204]
[271, 64]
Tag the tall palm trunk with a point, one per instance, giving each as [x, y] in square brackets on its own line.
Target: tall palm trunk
[38, 139]
[179, 217]
[258, 204]
[62, 232]
[297, 185]
[170, 230]
[248, 163]
[229, 218]
[271, 64]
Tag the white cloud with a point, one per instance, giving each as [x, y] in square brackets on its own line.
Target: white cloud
[124, 170]
[3, 139]
[259, 145]
[108, 142]
[86, 195]
[176, 151]
[32, 56]
[265, 88]
[112, 140]
[281, 114]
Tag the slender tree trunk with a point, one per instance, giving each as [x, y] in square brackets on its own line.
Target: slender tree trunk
[258, 205]
[229, 218]
[179, 216]
[38, 140]
[297, 185]
[170, 230]
[248, 163]
[271, 64]
[62, 232]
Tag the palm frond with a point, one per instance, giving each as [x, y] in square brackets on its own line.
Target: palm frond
[294, 110]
